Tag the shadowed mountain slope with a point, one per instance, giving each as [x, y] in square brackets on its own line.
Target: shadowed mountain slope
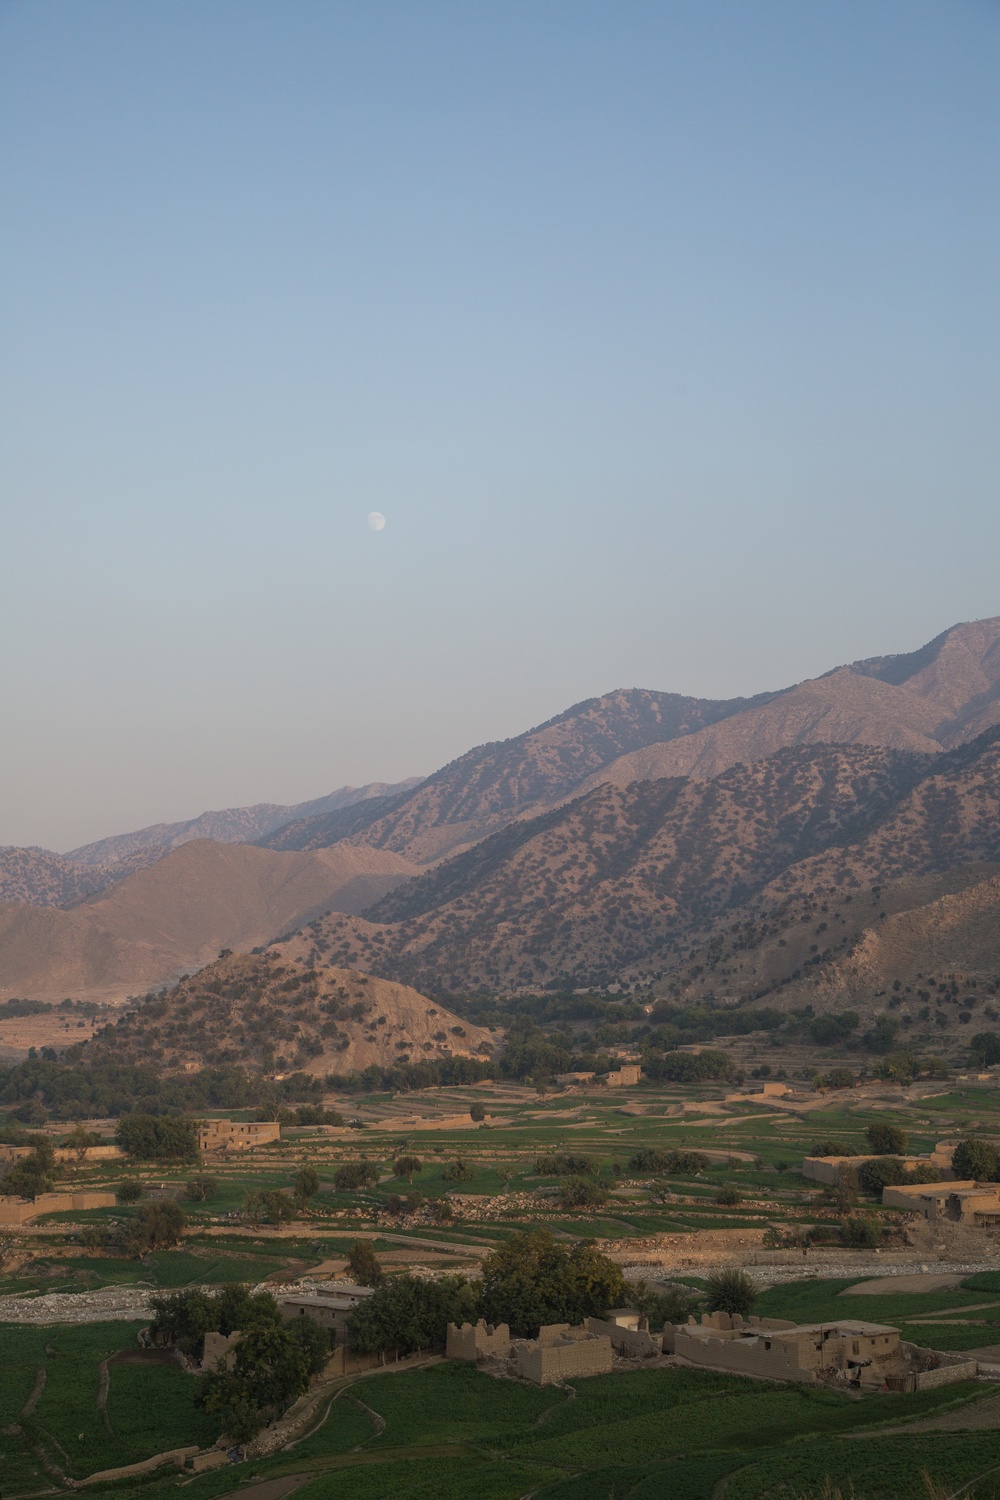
[622, 877]
[257, 1011]
[46, 879]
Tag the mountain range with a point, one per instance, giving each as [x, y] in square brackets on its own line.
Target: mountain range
[614, 841]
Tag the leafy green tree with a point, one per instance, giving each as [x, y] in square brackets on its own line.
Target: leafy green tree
[355, 1174]
[407, 1166]
[730, 1290]
[30, 1176]
[985, 1047]
[885, 1139]
[157, 1137]
[477, 1111]
[80, 1139]
[129, 1190]
[269, 1204]
[200, 1187]
[531, 1279]
[160, 1224]
[561, 1164]
[832, 1148]
[975, 1158]
[648, 1160]
[827, 1030]
[363, 1265]
[582, 1192]
[862, 1231]
[184, 1318]
[882, 1035]
[272, 1366]
[306, 1183]
[408, 1313]
[457, 1171]
[674, 1305]
[880, 1172]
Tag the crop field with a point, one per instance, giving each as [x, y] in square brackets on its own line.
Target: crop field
[449, 1430]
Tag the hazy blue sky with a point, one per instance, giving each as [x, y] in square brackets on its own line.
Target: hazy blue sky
[664, 335]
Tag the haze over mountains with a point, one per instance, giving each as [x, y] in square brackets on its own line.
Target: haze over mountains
[611, 841]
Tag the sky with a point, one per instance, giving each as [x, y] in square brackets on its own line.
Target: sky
[664, 335]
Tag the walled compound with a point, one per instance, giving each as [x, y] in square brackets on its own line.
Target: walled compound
[971, 1203]
[236, 1135]
[827, 1169]
[15, 1211]
[560, 1351]
[847, 1351]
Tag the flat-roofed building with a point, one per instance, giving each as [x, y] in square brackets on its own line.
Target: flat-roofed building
[236, 1135]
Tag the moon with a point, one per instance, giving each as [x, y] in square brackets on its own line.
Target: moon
[376, 520]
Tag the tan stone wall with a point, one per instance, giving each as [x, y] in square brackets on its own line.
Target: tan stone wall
[15, 1211]
[633, 1343]
[547, 1364]
[477, 1341]
[741, 1356]
[927, 1380]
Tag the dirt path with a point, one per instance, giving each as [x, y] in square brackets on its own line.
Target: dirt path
[28, 1408]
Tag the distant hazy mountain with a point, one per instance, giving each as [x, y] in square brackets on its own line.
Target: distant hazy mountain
[175, 916]
[232, 825]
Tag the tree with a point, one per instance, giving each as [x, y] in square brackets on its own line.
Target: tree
[582, 1192]
[531, 1279]
[457, 1171]
[271, 1367]
[882, 1035]
[408, 1313]
[886, 1140]
[648, 1159]
[862, 1231]
[671, 1306]
[880, 1172]
[129, 1190]
[200, 1187]
[157, 1137]
[728, 1195]
[30, 1176]
[363, 1265]
[80, 1139]
[159, 1225]
[355, 1174]
[306, 1183]
[731, 1291]
[270, 1204]
[406, 1166]
[477, 1111]
[976, 1159]
[831, 1148]
[985, 1046]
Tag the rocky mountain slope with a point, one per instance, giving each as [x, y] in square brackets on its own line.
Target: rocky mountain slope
[262, 1012]
[923, 701]
[178, 914]
[623, 877]
[46, 879]
[494, 784]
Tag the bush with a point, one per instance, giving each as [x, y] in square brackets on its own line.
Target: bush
[457, 1171]
[832, 1148]
[886, 1140]
[477, 1111]
[880, 1172]
[730, 1291]
[974, 1158]
[157, 1137]
[306, 1184]
[560, 1164]
[671, 1306]
[32, 1175]
[270, 1204]
[687, 1163]
[728, 1195]
[827, 1030]
[648, 1160]
[355, 1174]
[129, 1191]
[862, 1231]
[985, 1046]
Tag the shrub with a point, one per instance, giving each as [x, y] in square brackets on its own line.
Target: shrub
[477, 1111]
[728, 1195]
[731, 1291]
[270, 1204]
[862, 1231]
[647, 1159]
[159, 1225]
[832, 1148]
[827, 1030]
[560, 1164]
[130, 1190]
[306, 1184]
[457, 1171]
[886, 1140]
